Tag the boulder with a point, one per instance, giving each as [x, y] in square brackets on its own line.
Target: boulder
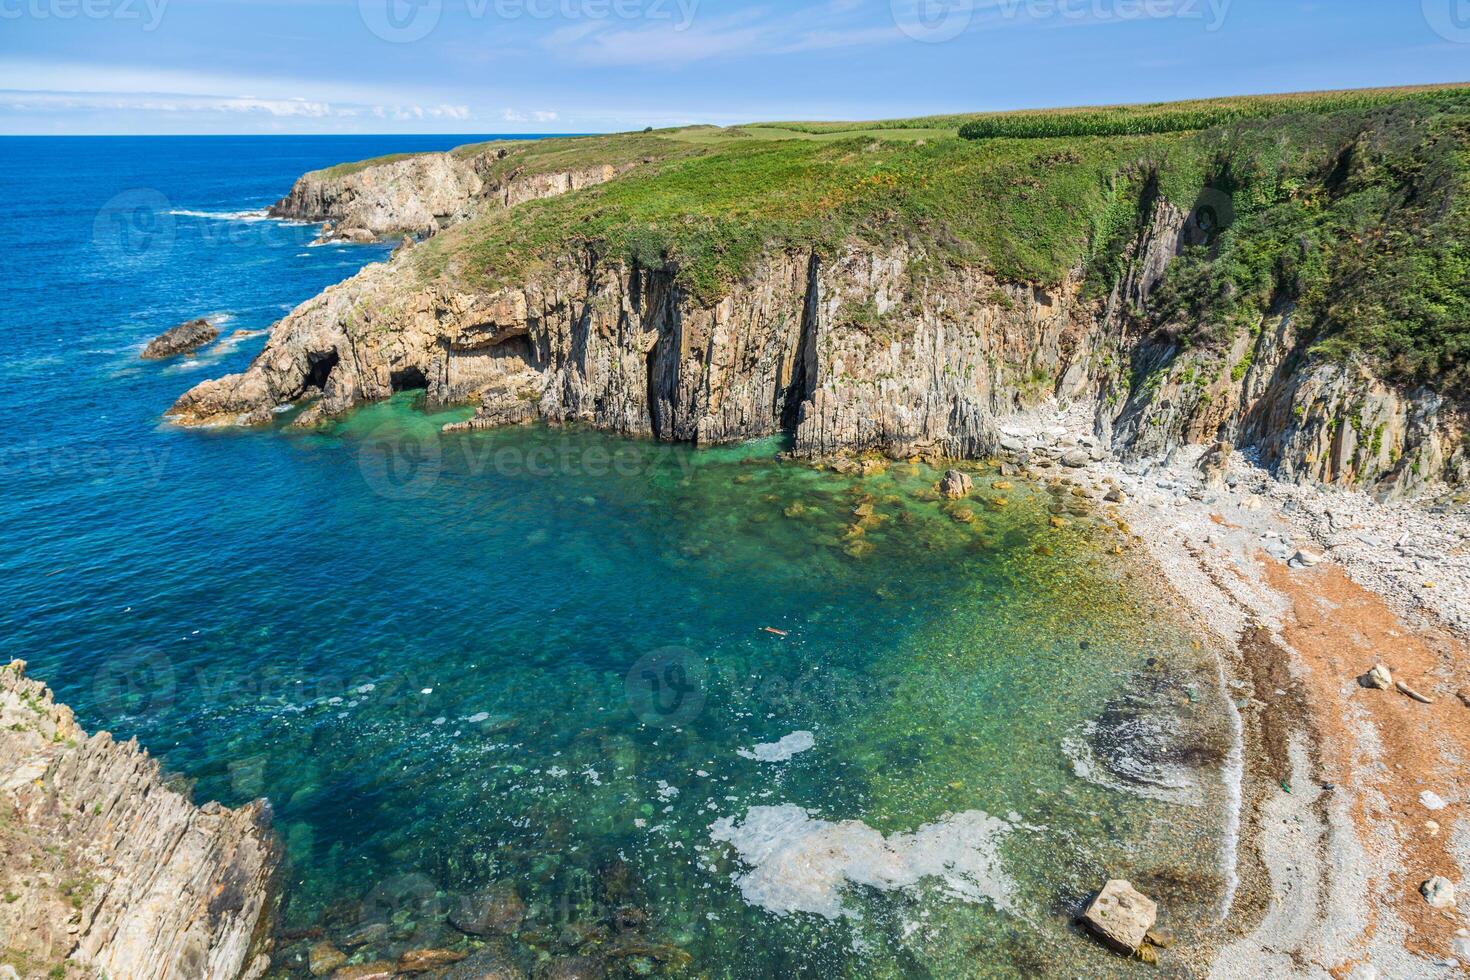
[956, 485]
[1438, 892]
[1076, 459]
[184, 338]
[495, 911]
[1121, 916]
[323, 959]
[1307, 558]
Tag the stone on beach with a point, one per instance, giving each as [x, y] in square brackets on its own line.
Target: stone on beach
[1438, 892]
[1307, 558]
[1076, 459]
[1121, 916]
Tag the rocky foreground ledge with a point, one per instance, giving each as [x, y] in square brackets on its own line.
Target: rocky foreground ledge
[105, 871]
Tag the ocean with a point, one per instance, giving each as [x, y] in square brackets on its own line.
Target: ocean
[661, 708]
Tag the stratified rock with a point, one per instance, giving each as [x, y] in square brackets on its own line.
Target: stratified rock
[1121, 916]
[182, 339]
[956, 485]
[629, 348]
[422, 193]
[1438, 892]
[167, 889]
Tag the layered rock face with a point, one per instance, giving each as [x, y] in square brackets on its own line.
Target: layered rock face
[852, 352]
[112, 873]
[421, 194]
[844, 355]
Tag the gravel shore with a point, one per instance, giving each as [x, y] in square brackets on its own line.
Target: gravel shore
[1311, 587]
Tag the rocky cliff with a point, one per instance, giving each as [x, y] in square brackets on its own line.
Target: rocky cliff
[868, 344]
[421, 194]
[107, 871]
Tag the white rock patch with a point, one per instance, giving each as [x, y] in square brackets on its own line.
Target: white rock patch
[801, 864]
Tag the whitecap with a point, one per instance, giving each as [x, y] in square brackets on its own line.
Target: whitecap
[798, 863]
[260, 214]
[792, 745]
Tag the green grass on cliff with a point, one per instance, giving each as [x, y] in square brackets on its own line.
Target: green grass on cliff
[1353, 206]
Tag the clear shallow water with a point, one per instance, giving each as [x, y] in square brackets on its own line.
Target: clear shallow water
[540, 660]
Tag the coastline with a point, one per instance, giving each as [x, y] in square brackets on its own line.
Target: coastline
[1335, 838]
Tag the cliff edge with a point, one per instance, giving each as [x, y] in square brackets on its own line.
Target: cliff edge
[1278, 276]
[107, 871]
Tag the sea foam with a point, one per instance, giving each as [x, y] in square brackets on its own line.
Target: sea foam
[798, 863]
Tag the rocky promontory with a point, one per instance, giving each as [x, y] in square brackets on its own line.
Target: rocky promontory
[423, 193]
[109, 872]
[868, 295]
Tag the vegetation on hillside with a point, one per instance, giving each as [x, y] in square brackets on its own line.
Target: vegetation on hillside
[1178, 117]
[1350, 205]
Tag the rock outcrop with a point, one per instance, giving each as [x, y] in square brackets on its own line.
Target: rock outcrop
[107, 871]
[854, 351]
[183, 339]
[421, 194]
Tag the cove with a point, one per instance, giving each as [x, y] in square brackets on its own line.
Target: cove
[526, 683]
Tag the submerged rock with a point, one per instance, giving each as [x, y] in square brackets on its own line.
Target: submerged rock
[323, 959]
[497, 910]
[956, 485]
[1121, 916]
[184, 338]
[424, 960]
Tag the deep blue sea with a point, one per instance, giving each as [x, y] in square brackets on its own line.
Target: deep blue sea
[701, 712]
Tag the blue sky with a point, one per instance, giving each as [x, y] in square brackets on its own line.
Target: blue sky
[488, 66]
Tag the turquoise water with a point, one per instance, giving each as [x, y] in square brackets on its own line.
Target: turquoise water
[539, 682]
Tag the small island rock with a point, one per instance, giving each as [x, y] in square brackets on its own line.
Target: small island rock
[184, 338]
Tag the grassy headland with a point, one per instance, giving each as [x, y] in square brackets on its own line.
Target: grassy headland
[1353, 206]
